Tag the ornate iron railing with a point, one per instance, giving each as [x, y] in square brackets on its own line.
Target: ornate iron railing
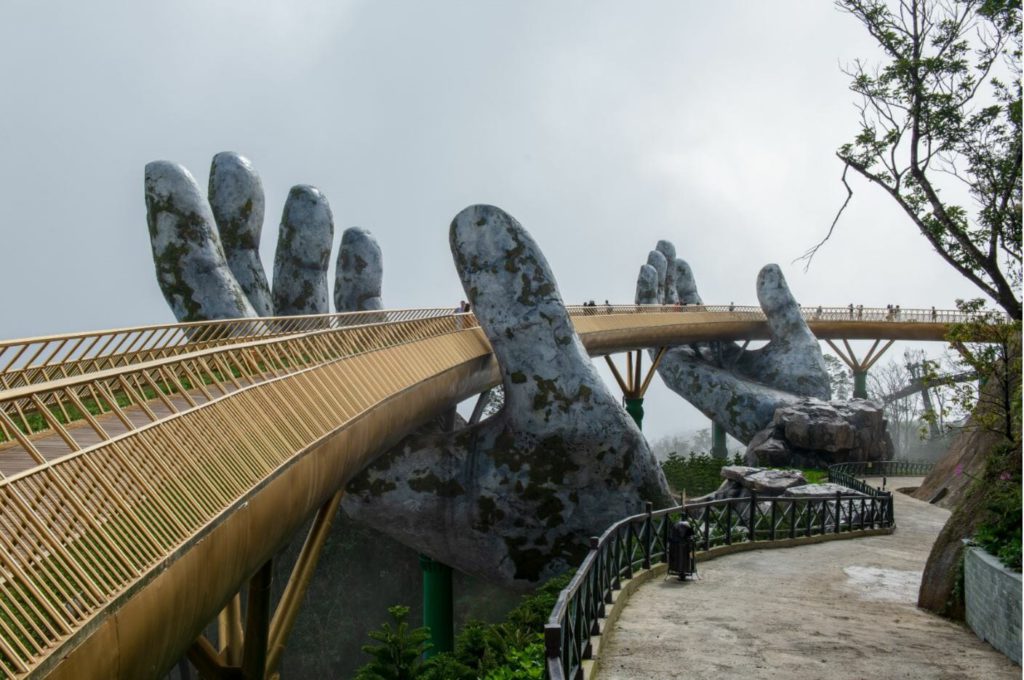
[641, 541]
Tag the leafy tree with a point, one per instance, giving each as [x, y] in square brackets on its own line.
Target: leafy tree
[942, 113]
[400, 654]
[992, 351]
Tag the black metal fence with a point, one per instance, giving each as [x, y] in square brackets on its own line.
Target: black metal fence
[640, 541]
[850, 474]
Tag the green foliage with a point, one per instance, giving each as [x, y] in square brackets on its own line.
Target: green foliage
[999, 532]
[992, 350]
[511, 650]
[400, 654]
[696, 474]
[942, 110]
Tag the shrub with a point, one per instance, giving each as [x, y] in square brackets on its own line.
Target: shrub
[513, 649]
[696, 474]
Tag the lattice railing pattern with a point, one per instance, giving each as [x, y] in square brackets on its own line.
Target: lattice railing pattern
[78, 530]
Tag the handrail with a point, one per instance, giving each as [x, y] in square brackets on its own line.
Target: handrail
[640, 541]
[849, 474]
[29, 360]
[34, 395]
[169, 385]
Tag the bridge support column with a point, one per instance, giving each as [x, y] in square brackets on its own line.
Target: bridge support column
[437, 605]
[718, 447]
[859, 367]
[632, 385]
[635, 408]
[257, 624]
[860, 384]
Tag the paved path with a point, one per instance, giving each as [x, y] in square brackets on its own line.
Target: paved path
[836, 611]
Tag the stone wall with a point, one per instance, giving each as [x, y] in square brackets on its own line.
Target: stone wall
[993, 598]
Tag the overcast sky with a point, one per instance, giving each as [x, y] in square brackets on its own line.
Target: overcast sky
[601, 126]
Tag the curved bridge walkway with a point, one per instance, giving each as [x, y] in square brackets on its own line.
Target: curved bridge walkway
[841, 610]
[131, 461]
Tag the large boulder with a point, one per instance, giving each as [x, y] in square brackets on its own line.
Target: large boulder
[815, 433]
[741, 481]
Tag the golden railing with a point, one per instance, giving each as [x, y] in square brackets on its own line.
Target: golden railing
[119, 453]
[78, 529]
[32, 360]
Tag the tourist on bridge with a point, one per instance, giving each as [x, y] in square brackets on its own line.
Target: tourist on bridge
[851, 310]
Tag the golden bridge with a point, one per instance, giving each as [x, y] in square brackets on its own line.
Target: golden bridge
[149, 474]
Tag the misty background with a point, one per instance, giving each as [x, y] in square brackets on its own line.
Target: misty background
[601, 126]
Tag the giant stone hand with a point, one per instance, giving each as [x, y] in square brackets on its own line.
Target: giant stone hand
[739, 389]
[516, 496]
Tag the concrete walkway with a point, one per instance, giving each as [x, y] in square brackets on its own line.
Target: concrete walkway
[839, 610]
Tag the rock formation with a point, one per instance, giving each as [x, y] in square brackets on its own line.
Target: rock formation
[814, 433]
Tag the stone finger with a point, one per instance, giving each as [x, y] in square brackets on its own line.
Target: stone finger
[657, 260]
[686, 285]
[647, 286]
[666, 248]
[190, 264]
[236, 198]
[303, 253]
[359, 272]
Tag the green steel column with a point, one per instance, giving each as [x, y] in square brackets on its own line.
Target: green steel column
[437, 605]
[860, 384]
[718, 448]
[635, 408]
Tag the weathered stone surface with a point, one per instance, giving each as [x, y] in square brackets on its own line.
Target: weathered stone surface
[773, 482]
[303, 253]
[822, 490]
[669, 295]
[737, 472]
[516, 496]
[236, 198]
[814, 433]
[686, 285]
[741, 481]
[741, 389]
[359, 272]
[187, 252]
[646, 284]
[657, 260]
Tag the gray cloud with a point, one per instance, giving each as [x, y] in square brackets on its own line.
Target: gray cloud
[602, 126]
